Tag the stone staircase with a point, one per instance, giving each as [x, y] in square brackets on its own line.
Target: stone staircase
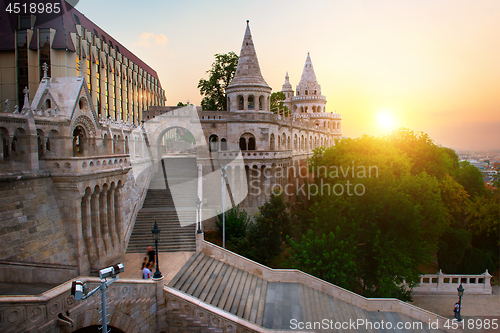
[159, 206]
[274, 305]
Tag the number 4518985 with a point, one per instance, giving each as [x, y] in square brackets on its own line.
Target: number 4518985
[33, 8]
[472, 324]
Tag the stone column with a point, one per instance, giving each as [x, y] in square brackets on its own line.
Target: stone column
[87, 230]
[119, 216]
[111, 216]
[200, 190]
[71, 204]
[161, 306]
[96, 224]
[103, 214]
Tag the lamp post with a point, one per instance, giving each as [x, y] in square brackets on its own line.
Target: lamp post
[460, 290]
[223, 169]
[156, 236]
[198, 206]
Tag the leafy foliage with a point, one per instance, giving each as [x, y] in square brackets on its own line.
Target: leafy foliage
[237, 222]
[452, 246]
[471, 179]
[220, 75]
[277, 105]
[265, 237]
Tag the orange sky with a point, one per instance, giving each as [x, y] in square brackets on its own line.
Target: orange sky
[434, 65]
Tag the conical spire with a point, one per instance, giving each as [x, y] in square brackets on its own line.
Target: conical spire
[248, 70]
[308, 75]
[286, 86]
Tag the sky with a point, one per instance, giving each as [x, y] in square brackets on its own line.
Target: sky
[427, 65]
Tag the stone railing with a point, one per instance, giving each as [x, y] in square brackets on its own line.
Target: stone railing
[86, 165]
[296, 276]
[132, 308]
[36, 273]
[308, 97]
[256, 154]
[325, 115]
[448, 283]
[185, 311]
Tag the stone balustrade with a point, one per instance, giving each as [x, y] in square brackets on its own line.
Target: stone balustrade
[132, 308]
[296, 276]
[308, 97]
[256, 154]
[325, 115]
[86, 165]
[448, 283]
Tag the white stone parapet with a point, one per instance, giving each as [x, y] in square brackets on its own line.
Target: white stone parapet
[308, 97]
[448, 283]
[86, 165]
[325, 115]
[257, 154]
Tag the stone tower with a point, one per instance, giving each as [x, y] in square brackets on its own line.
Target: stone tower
[308, 98]
[288, 91]
[248, 91]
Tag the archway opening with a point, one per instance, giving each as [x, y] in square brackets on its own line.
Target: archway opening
[78, 138]
[176, 140]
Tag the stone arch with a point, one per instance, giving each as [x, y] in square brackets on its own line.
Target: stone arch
[241, 104]
[301, 109]
[174, 138]
[250, 142]
[261, 102]
[18, 144]
[289, 143]
[314, 108]
[48, 104]
[40, 143]
[295, 147]
[79, 136]
[310, 142]
[251, 102]
[213, 142]
[223, 144]
[243, 143]
[272, 142]
[4, 144]
[302, 145]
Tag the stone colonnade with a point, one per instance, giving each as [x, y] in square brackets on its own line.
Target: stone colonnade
[101, 222]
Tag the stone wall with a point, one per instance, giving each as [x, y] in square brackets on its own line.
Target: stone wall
[132, 308]
[32, 227]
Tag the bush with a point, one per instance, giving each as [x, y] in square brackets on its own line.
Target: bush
[452, 245]
[237, 222]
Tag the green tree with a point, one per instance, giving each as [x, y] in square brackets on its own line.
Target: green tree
[181, 104]
[471, 179]
[237, 222]
[266, 237]
[277, 106]
[452, 245]
[220, 75]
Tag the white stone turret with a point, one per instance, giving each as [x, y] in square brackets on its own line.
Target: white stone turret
[288, 91]
[308, 98]
[248, 91]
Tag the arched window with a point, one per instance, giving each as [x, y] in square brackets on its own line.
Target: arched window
[251, 143]
[240, 102]
[228, 106]
[271, 142]
[289, 144]
[314, 92]
[314, 108]
[251, 102]
[213, 142]
[295, 142]
[47, 103]
[4, 135]
[298, 92]
[243, 144]
[78, 137]
[40, 143]
[306, 92]
[223, 144]
[261, 102]
[301, 109]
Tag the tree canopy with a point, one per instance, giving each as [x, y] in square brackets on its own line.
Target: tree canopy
[220, 75]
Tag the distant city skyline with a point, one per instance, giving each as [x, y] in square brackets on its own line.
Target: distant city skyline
[425, 65]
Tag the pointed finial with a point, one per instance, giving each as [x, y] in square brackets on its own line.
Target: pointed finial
[286, 77]
[45, 68]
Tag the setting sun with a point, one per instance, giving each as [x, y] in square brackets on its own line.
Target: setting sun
[385, 120]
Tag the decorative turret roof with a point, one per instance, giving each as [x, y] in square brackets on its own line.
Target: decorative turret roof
[308, 80]
[286, 86]
[248, 70]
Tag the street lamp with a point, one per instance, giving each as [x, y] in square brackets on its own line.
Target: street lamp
[224, 179]
[198, 206]
[460, 290]
[156, 236]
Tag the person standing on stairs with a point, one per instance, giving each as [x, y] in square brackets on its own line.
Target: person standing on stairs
[146, 271]
[151, 255]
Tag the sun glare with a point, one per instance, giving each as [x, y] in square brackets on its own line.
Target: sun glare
[385, 120]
